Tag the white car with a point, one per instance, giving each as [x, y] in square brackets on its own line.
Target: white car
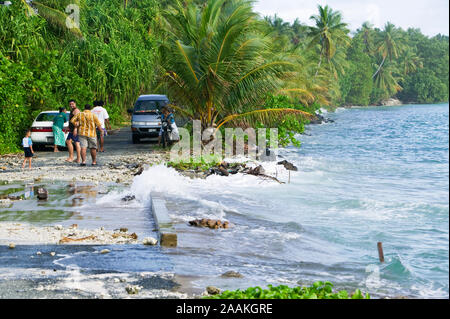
[41, 129]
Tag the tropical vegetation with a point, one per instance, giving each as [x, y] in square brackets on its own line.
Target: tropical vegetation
[318, 290]
[218, 61]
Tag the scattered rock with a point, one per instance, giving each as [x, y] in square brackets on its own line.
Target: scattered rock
[52, 254]
[5, 203]
[58, 227]
[319, 119]
[42, 193]
[38, 253]
[139, 171]
[128, 198]
[210, 223]
[125, 235]
[258, 170]
[123, 229]
[391, 102]
[11, 246]
[223, 171]
[133, 290]
[287, 165]
[105, 251]
[149, 241]
[211, 290]
[232, 274]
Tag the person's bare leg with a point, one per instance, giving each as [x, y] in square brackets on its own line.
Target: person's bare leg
[101, 143]
[94, 156]
[83, 155]
[79, 157]
[23, 164]
[29, 160]
[70, 149]
[55, 149]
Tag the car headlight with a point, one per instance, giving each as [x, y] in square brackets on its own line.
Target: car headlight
[138, 123]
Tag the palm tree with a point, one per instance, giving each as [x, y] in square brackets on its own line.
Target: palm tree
[218, 66]
[367, 35]
[54, 16]
[390, 45]
[387, 81]
[410, 62]
[329, 32]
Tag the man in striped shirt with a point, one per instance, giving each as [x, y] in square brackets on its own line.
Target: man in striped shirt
[87, 123]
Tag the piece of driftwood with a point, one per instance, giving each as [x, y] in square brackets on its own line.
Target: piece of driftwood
[67, 239]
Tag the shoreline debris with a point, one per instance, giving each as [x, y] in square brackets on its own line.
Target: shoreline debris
[210, 223]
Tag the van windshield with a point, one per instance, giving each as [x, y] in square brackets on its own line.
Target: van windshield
[149, 106]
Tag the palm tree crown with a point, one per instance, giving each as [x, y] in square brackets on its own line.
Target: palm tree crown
[328, 32]
[216, 62]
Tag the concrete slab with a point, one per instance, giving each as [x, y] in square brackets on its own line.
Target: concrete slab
[167, 235]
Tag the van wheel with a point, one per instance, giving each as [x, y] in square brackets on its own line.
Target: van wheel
[136, 139]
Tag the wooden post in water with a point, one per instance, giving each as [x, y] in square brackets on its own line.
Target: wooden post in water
[380, 251]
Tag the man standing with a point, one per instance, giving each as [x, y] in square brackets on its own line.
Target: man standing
[103, 117]
[72, 138]
[87, 124]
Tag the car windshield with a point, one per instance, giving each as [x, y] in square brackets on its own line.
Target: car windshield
[46, 117]
[149, 106]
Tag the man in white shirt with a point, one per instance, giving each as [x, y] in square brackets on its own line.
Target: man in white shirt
[103, 117]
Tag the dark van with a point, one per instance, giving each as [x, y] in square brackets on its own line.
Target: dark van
[145, 118]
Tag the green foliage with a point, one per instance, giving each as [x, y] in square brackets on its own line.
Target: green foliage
[43, 65]
[13, 110]
[197, 164]
[289, 125]
[319, 290]
[356, 84]
[424, 87]
[215, 59]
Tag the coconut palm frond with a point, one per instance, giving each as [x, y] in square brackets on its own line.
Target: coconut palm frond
[58, 18]
[266, 115]
[28, 8]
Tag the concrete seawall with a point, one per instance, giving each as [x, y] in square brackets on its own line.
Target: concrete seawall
[166, 232]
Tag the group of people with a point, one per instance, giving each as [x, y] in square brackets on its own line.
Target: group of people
[85, 127]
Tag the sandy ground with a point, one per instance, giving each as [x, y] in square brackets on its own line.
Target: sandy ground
[26, 234]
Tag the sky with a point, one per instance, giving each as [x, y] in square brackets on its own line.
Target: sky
[430, 16]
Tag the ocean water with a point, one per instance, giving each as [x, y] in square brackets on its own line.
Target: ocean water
[377, 174]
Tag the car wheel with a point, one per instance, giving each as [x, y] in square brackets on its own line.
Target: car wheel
[136, 139]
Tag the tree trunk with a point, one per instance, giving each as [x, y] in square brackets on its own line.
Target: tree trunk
[318, 66]
[379, 68]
